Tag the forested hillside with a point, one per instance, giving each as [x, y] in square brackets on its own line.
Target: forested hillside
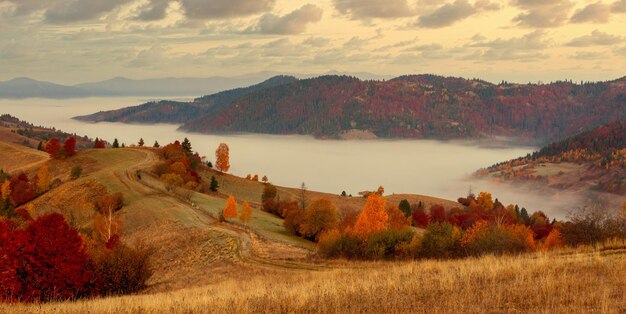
[423, 106]
[179, 112]
[596, 157]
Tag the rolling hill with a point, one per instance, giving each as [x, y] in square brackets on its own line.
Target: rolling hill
[180, 112]
[416, 106]
[593, 160]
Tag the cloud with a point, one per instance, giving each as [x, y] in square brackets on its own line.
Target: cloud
[223, 9]
[595, 13]
[526, 48]
[292, 23]
[588, 55]
[619, 6]
[150, 57]
[368, 9]
[155, 10]
[543, 13]
[316, 41]
[596, 38]
[451, 13]
[80, 10]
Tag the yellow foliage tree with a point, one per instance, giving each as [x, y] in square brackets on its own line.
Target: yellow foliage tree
[485, 201]
[6, 189]
[230, 211]
[222, 158]
[372, 218]
[246, 212]
[43, 179]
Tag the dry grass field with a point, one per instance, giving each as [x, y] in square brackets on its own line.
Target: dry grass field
[556, 282]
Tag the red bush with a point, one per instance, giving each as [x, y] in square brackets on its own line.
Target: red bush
[46, 261]
[53, 148]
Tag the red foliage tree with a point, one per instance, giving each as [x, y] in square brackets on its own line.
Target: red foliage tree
[437, 214]
[70, 146]
[22, 190]
[46, 261]
[420, 219]
[53, 148]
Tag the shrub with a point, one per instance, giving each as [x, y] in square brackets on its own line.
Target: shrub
[483, 238]
[334, 244]
[76, 172]
[385, 244]
[122, 269]
[441, 241]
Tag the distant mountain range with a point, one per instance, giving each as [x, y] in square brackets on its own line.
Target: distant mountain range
[159, 87]
[416, 106]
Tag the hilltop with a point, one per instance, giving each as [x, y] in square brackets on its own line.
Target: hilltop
[591, 160]
[415, 106]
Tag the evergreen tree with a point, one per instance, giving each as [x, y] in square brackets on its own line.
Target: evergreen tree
[525, 216]
[141, 142]
[156, 144]
[40, 146]
[96, 142]
[116, 144]
[209, 164]
[187, 145]
[214, 185]
[405, 207]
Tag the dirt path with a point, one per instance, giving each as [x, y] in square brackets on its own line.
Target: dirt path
[249, 248]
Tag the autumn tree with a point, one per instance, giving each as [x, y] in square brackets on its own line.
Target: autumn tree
[264, 179]
[107, 223]
[53, 148]
[437, 214]
[397, 219]
[230, 210]
[22, 189]
[380, 191]
[321, 215]
[69, 146]
[420, 218]
[172, 180]
[485, 201]
[222, 158]
[99, 144]
[372, 218]
[255, 178]
[45, 261]
[43, 179]
[246, 212]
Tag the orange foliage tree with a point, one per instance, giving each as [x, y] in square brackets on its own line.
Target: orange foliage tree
[397, 219]
[230, 211]
[246, 212]
[222, 158]
[372, 218]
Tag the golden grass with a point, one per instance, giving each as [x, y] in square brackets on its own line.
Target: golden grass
[541, 282]
[15, 157]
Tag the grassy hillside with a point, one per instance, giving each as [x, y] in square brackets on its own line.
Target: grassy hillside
[542, 282]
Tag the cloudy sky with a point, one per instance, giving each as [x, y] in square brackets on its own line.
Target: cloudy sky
[71, 41]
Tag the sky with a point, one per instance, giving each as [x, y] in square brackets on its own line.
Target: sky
[74, 41]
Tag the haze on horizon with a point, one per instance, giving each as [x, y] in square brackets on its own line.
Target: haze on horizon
[72, 41]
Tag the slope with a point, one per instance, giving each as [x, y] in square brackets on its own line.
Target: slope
[179, 112]
[591, 160]
[420, 106]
